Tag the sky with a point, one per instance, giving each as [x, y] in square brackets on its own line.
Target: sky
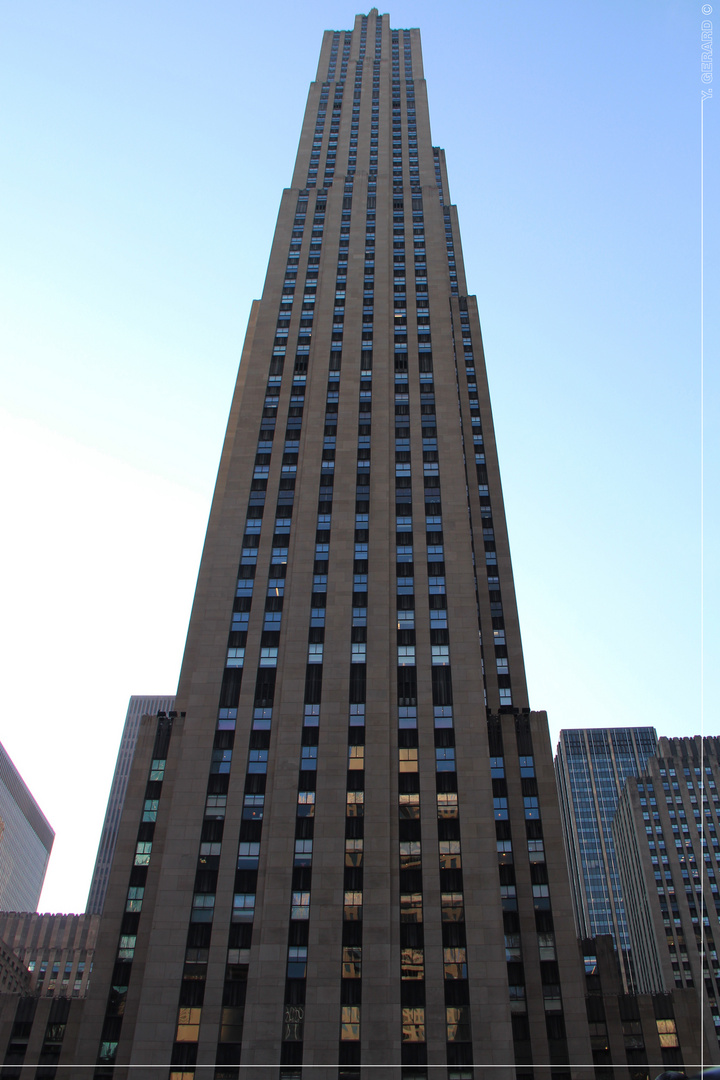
[143, 151]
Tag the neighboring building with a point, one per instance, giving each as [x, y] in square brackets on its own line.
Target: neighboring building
[26, 840]
[14, 976]
[38, 1029]
[138, 707]
[642, 1032]
[668, 853]
[56, 950]
[591, 767]
[345, 849]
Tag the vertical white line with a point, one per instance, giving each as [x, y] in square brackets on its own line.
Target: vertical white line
[702, 614]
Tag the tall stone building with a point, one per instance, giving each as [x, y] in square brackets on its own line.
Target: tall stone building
[591, 767]
[668, 850]
[138, 707]
[343, 849]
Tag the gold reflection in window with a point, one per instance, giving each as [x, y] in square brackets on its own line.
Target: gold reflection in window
[411, 907]
[408, 756]
[188, 1025]
[356, 757]
[352, 962]
[412, 964]
[452, 907]
[352, 906]
[447, 804]
[409, 805]
[410, 855]
[457, 1020]
[350, 1024]
[353, 852]
[413, 1025]
[667, 1033]
[455, 963]
[450, 855]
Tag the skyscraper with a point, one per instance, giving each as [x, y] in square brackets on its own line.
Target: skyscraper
[26, 840]
[138, 707]
[344, 848]
[591, 768]
[667, 840]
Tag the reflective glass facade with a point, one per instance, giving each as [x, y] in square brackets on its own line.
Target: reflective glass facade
[591, 767]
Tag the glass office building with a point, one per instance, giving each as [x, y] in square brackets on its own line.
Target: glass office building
[591, 767]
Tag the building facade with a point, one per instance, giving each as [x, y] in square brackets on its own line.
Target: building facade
[56, 951]
[137, 708]
[632, 1035]
[591, 767]
[342, 850]
[668, 852]
[26, 840]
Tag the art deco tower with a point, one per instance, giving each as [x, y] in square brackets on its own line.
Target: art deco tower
[344, 849]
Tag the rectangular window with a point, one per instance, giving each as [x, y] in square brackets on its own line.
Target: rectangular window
[445, 758]
[411, 907]
[257, 761]
[455, 963]
[408, 759]
[248, 856]
[188, 1027]
[303, 852]
[447, 804]
[412, 964]
[126, 949]
[536, 851]
[457, 1019]
[352, 906]
[353, 852]
[409, 804]
[452, 907]
[450, 855]
[142, 853]
[297, 962]
[413, 1025]
[300, 908]
[243, 907]
[356, 757]
[315, 651]
[410, 855]
[667, 1033]
[350, 1023]
[352, 962]
[135, 898]
[253, 806]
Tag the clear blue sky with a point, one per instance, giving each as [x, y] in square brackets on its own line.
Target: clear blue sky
[143, 150]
